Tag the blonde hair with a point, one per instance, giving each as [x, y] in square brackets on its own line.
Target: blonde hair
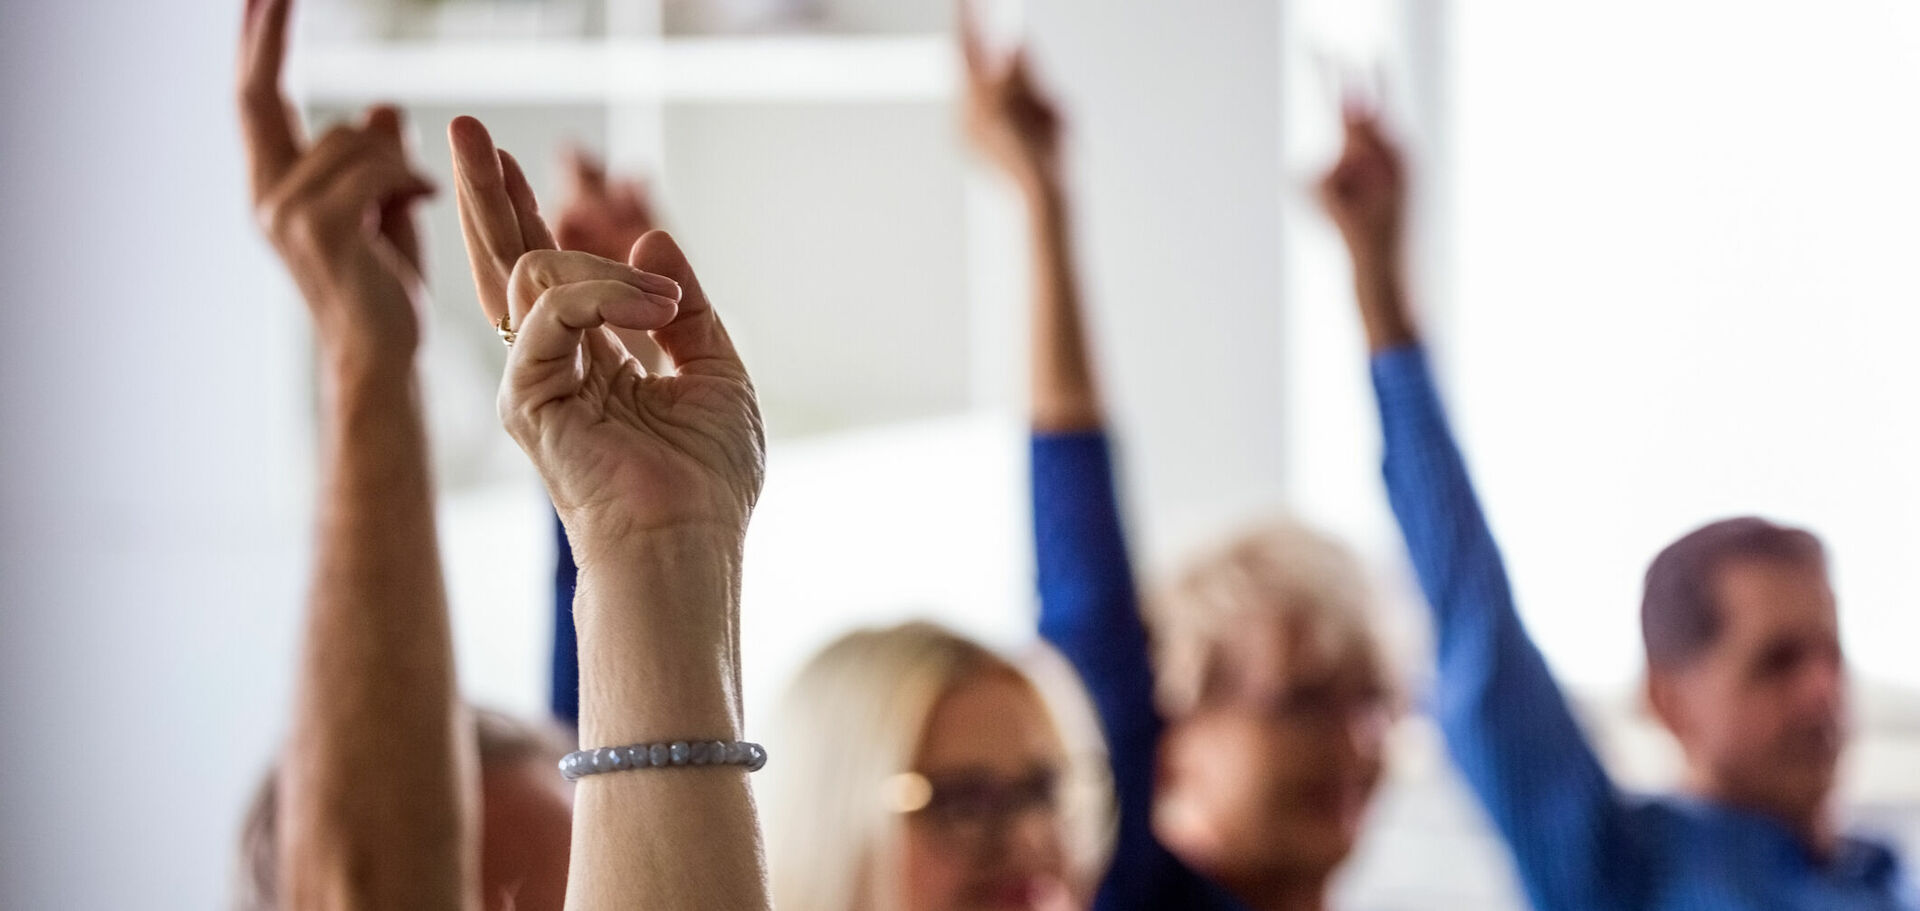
[852, 719]
[1281, 570]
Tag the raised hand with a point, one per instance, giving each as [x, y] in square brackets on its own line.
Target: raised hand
[602, 216]
[339, 211]
[1366, 195]
[654, 476]
[1365, 191]
[1008, 119]
[624, 452]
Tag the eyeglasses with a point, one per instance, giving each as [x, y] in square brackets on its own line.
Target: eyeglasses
[974, 809]
[1313, 706]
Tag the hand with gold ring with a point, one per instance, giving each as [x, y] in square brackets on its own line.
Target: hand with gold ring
[654, 476]
[621, 449]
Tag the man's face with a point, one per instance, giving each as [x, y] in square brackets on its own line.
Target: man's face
[1761, 713]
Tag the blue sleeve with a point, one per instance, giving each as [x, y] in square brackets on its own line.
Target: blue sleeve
[1090, 612]
[1506, 722]
[564, 697]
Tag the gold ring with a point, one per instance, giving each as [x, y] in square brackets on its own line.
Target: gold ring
[505, 328]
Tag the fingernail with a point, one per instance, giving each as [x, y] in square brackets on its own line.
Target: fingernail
[662, 300]
[659, 284]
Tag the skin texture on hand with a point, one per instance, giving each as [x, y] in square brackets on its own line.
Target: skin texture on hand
[1018, 129]
[379, 778]
[1366, 196]
[655, 477]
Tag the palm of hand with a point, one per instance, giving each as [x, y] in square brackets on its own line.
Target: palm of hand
[1365, 191]
[1014, 125]
[655, 452]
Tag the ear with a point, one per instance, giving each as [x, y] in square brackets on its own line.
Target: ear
[1665, 697]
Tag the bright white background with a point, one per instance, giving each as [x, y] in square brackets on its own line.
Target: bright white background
[1666, 256]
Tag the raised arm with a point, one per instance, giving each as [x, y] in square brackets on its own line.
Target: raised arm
[378, 775]
[1016, 128]
[654, 477]
[1088, 605]
[1507, 724]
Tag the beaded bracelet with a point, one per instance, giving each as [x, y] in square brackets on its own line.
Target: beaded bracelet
[582, 763]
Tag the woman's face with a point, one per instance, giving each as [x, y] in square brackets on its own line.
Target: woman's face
[1269, 779]
[990, 833]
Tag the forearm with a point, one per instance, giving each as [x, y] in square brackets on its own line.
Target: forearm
[1379, 284]
[379, 765]
[1064, 396]
[659, 661]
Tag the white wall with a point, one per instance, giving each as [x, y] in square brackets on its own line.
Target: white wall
[155, 401]
[1686, 290]
[1174, 115]
[156, 459]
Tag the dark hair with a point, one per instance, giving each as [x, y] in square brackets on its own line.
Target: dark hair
[1679, 615]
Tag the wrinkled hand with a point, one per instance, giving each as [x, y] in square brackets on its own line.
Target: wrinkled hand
[1365, 192]
[1006, 116]
[624, 452]
[340, 212]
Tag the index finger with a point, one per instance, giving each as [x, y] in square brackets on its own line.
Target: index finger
[972, 49]
[266, 120]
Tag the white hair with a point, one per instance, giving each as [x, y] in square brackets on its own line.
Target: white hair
[1282, 570]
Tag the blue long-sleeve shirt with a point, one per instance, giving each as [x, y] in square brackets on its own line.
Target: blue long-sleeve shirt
[1090, 612]
[1576, 840]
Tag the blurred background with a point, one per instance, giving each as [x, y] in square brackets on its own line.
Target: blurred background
[1666, 259]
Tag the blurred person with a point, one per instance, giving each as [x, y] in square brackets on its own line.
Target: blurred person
[375, 790]
[923, 772]
[655, 476]
[1248, 744]
[1745, 666]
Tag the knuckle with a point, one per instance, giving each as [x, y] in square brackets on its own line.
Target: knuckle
[287, 223]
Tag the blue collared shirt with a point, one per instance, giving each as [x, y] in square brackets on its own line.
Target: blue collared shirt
[1577, 841]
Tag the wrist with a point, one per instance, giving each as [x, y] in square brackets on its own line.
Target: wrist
[1042, 189]
[1381, 295]
[366, 365]
[657, 615]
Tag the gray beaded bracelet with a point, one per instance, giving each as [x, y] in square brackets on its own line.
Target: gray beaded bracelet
[582, 763]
